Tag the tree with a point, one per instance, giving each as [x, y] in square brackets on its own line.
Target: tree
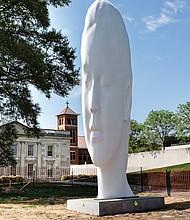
[7, 138]
[137, 140]
[159, 126]
[183, 122]
[32, 54]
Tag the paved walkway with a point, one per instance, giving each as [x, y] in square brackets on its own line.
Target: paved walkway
[173, 192]
[160, 190]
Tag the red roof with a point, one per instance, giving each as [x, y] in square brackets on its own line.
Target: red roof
[68, 111]
[81, 142]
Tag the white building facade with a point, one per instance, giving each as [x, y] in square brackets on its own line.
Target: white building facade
[46, 157]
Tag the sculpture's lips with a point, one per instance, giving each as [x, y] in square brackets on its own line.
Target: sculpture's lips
[95, 135]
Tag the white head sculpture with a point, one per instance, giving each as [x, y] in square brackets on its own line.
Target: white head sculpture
[106, 96]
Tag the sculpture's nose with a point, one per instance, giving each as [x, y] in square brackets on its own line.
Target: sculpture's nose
[95, 99]
[94, 107]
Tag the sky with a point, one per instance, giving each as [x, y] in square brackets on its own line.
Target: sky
[159, 35]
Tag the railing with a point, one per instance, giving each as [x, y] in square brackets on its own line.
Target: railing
[38, 173]
[169, 180]
[144, 180]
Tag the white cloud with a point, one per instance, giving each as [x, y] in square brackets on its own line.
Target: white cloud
[173, 7]
[166, 16]
[152, 23]
[128, 18]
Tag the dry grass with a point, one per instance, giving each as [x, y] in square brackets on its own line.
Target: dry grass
[48, 202]
[55, 209]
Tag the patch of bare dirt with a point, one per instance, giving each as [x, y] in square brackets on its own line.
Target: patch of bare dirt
[176, 208]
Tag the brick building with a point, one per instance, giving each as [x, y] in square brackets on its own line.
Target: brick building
[67, 120]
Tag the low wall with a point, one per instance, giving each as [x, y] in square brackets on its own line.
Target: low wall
[145, 160]
[156, 159]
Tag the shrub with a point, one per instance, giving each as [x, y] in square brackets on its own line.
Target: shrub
[12, 179]
[78, 177]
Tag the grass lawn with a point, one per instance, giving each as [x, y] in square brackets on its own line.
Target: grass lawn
[185, 166]
[48, 193]
[180, 167]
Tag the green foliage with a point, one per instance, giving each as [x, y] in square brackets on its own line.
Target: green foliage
[7, 138]
[31, 55]
[137, 140]
[183, 122]
[159, 126]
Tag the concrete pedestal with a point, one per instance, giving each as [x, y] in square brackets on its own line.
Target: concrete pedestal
[101, 207]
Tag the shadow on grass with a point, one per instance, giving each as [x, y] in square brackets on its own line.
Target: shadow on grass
[180, 206]
[48, 193]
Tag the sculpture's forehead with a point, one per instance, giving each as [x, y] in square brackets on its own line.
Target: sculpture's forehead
[104, 34]
[99, 9]
[103, 15]
[105, 45]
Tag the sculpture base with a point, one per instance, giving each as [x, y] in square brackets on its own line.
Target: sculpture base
[101, 207]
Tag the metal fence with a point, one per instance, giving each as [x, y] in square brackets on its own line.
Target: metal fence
[37, 173]
[143, 180]
[170, 180]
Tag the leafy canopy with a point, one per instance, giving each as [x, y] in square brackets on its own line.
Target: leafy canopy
[32, 55]
[160, 125]
[183, 121]
[7, 137]
[137, 140]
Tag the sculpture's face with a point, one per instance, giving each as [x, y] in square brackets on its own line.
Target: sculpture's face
[103, 98]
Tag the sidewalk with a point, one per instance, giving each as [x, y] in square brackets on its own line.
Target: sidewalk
[160, 190]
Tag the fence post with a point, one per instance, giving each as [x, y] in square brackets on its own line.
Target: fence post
[33, 178]
[72, 176]
[141, 179]
[168, 182]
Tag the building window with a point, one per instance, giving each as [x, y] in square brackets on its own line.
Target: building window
[30, 170]
[13, 171]
[30, 150]
[14, 147]
[80, 157]
[84, 157]
[72, 155]
[72, 135]
[50, 151]
[68, 121]
[61, 121]
[50, 170]
[73, 121]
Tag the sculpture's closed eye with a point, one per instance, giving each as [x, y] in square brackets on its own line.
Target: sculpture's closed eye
[86, 68]
[88, 81]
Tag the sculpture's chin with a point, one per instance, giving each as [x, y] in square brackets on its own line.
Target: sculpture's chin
[99, 158]
[98, 163]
